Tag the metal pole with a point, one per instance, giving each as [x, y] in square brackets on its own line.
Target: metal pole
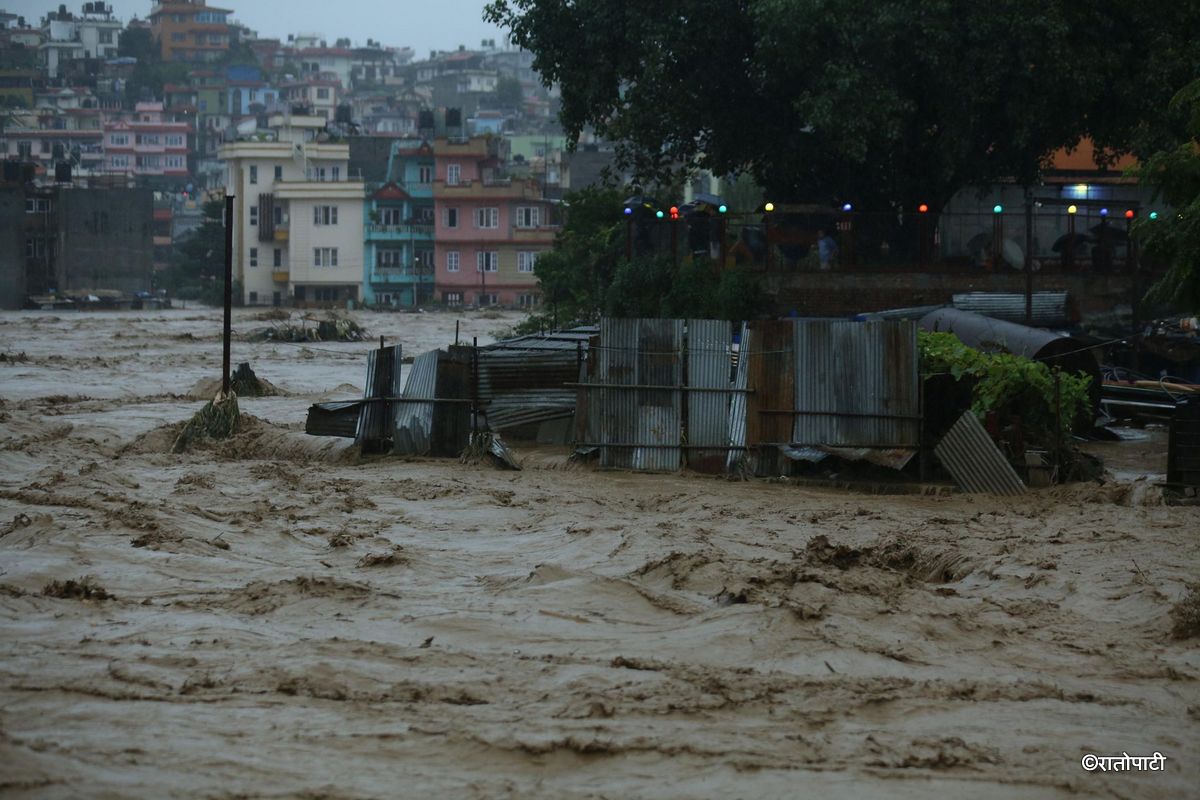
[1028, 257]
[474, 385]
[228, 293]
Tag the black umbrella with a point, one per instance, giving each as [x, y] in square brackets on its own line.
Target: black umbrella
[1109, 232]
[1072, 240]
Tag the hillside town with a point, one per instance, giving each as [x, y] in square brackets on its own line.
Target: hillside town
[365, 173]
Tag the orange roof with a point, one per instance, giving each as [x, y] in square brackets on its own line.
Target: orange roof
[1083, 159]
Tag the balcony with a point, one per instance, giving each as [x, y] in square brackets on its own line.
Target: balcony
[281, 234]
[400, 275]
[386, 233]
[489, 189]
[279, 275]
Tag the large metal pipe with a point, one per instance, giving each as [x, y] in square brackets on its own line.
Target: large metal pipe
[997, 336]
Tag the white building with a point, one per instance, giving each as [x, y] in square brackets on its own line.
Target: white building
[90, 34]
[298, 232]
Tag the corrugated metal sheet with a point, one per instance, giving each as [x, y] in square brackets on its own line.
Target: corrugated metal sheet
[708, 360]
[414, 421]
[737, 407]
[974, 461]
[333, 419]
[1049, 308]
[553, 340]
[519, 387]
[377, 416]
[639, 428]
[856, 385]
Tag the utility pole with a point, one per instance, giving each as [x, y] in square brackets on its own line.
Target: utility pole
[228, 293]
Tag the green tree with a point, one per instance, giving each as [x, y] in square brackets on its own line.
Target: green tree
[1174, 240]
[891, 104]
[509, 93]
[198, 269]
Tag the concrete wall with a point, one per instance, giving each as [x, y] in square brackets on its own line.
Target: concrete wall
[12, 247]
[105, 239]
[844, 293]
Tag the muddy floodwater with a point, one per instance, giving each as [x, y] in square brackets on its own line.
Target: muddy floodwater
[274, 616]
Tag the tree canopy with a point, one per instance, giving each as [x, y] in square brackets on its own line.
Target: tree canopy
[1174, 240]
[887, 103]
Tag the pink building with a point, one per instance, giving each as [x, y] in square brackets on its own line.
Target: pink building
[145, 143]
[489, 228]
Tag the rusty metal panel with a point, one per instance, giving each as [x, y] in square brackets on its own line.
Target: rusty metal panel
[856, 385]
[708, 367]
[735, 460]
[770, 403]
[414, 421]
[974, 461]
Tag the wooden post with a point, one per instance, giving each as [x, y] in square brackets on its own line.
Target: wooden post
[1028, 257]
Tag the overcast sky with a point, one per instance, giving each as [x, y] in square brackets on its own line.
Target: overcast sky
[423, 25]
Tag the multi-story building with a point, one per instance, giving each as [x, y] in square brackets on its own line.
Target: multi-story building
[147, 145]
[190, 30]
[49, 135]
[318, 92]
[73, 240]
[298, 232]
[398, 241]
[490, 228]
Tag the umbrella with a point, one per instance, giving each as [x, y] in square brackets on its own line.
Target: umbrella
[1109, 232]
[1074, 240]
[708, 199]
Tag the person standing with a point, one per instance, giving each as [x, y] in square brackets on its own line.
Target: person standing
[826, 249]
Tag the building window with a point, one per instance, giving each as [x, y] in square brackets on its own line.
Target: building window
[278, 173]
[529, 217]
[325, 257]
[322, 93]
[253, 215]
[253, 174]
[453, 175]
[525, 261]
[425, 175]
[527, 300]
[452, 298]
[175, 162]
[452, 261]
[391, 216]
[482, 299]
[487, 218]
[451, 217]
[177, 37]
[120, 161]
[254, 256]
[487, 261]
[325, 215]
[119, 139]
[277, 216]
[253, 298]
[277, 260]
[37, 205]
[177, 141]
[105, 37]
[388, 258]
[336, 173]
